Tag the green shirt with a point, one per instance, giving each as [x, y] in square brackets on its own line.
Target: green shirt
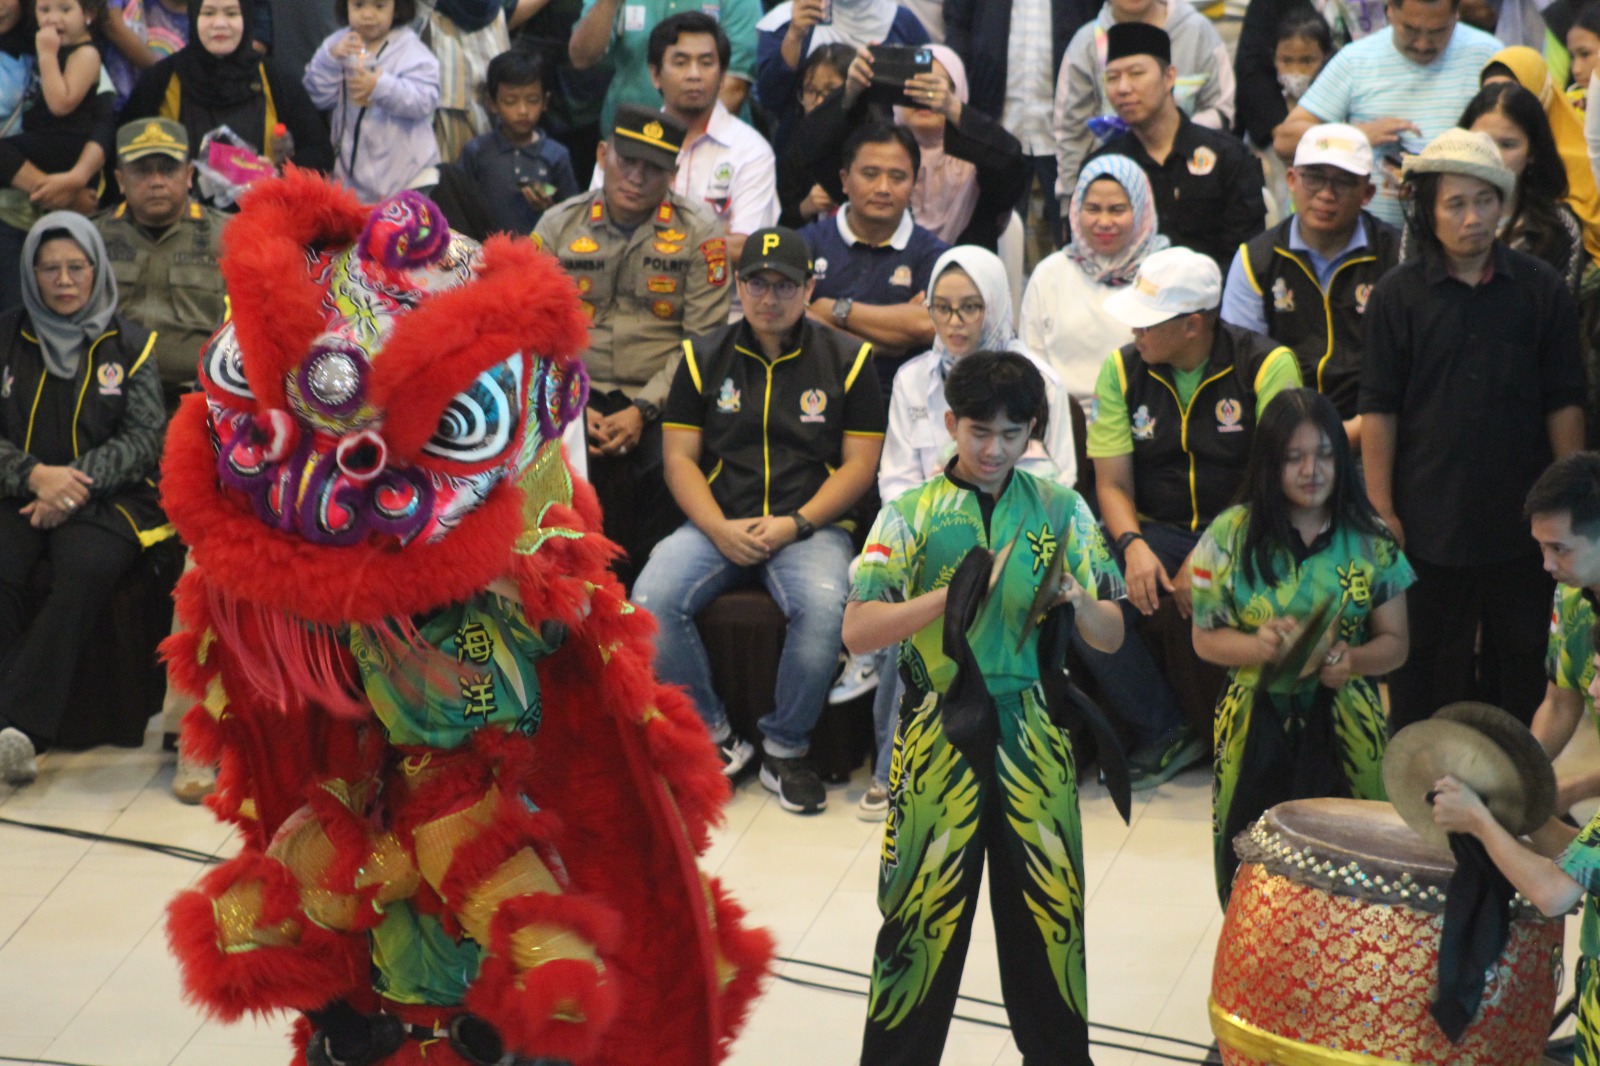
[630, 40]
[1110, 433]
[921, 537]
[1581, 862]
[1360, 570]
[473, 667]
[1569, 656]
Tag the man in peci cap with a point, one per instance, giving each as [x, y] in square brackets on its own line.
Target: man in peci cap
[651, 267]
[1176, 415]
[1306, 282]
[1206, 184]
[772, 432]
[1473, 383]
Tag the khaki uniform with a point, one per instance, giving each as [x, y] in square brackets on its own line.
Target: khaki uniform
[171, 284]
[644, 292]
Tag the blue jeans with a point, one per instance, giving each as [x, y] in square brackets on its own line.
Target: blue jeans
[807, 579]
[886, 709]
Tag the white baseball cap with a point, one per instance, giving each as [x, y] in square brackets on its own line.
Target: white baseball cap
[1172, 282]
[1335, 144]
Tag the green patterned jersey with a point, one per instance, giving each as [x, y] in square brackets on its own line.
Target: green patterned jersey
[473, 666]
[921, 537]
[1569, 657]
[1581, 862]
[1361, 570]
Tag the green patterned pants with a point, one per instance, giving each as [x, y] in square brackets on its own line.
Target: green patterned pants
[944, 819]
[1586, 1048]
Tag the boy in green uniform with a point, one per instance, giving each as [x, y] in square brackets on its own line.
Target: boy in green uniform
[950, 803]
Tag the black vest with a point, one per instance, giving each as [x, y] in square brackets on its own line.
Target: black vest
[1187, 464]
[1300, 314]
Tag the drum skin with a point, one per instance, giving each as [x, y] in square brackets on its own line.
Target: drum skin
[1321, 961]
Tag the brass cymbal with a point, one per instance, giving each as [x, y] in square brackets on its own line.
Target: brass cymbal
[1423, 752]
[1518, 741]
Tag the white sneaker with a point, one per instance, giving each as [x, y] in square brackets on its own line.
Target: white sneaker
[735, 753]
[19, 763]
[859, 678]
[193, 781]
[874, 805]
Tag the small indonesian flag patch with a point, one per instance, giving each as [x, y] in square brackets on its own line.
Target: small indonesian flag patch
[1201, 578]
[876, 553]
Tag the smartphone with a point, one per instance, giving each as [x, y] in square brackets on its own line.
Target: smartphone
[826, 18]
[895, 64]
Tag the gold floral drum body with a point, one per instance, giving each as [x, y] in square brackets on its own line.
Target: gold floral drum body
[1329, 950]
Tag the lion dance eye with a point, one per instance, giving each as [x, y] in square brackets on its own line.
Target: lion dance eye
[225, 365]
[479, 423]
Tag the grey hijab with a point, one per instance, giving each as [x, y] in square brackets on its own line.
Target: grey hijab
[64, 340]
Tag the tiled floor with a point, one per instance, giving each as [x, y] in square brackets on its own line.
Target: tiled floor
[85, 978]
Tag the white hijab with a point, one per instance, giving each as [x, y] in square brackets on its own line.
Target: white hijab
[988, 275]
[855, 22]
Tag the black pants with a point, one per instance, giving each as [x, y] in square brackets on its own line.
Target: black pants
[39, 658]
[1445, 609]
[639, 512]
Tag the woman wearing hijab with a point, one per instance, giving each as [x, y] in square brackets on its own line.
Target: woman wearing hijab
[217, 79]
[1064, 321]
[792, 31]
[81, 423]
[972, 170]
[1566, 125]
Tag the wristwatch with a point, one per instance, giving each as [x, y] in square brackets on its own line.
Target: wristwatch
[1127, 539]
[841, 310]
[802, 526]
[649, 410]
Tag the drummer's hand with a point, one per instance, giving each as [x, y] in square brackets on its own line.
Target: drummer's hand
[1275, 638]
[1456, 808]
[1335, 666]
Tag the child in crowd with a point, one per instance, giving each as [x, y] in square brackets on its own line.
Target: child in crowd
[382, 85]
[520, 170]
[61, 119]
[1303, 48]
[1583, 45]
[822, 75]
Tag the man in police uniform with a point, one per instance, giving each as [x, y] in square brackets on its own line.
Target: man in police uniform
[164, 249]
[1206, 184]
[772, 432]
[651, 268]
[1176, 414]
[1316, 269]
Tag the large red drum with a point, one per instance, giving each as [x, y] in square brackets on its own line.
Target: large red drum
[1329, 950]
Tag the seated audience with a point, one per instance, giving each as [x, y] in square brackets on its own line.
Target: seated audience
[970, 170]
[1207, 185]
[772, 433]
[465, 36]
[163, 248]
[1274, 62]
[800, 198]
[619, 33]
[381, 84]
[62, 110]
[1473, 383]
[1582, 194]
[1064, 320]
[872, 261]
[725, 166]
[76, 465]
[520, 169]
[651, 267]
[1402, 86]
[1539, 220]
[1305, 282]
[217, 79]
[1176, 410]
[791, 31]
[1202, 82]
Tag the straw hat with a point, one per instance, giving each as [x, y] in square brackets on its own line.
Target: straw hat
[1459, 151]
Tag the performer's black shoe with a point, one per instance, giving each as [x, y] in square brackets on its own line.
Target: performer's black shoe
[476, 1041]
[345, 1037]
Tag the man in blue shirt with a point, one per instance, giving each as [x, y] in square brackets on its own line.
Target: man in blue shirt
[872, 261]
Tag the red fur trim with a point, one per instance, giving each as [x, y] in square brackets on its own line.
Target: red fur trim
[321, 966]
[750, 950]
[199, 736]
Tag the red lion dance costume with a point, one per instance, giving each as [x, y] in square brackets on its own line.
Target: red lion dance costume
[470, 814]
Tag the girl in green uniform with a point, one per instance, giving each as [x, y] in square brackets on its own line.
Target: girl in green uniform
[1012, 797]
[1305, 535]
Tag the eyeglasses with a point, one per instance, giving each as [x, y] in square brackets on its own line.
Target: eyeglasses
[812, 94]
[78, 269]
[966, 311]
[1317, 180]
[783, 290]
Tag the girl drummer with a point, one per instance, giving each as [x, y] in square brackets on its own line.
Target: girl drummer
[1304, 544]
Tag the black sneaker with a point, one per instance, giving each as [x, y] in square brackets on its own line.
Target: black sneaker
[796, 784]
[1163, 760]
[735, 753]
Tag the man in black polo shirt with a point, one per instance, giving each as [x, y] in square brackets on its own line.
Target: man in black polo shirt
[1306, 282]
[772, 431]
[1206, 184]
[1473, 383]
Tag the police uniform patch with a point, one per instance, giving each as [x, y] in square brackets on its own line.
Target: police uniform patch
[813, 402]
[538, 242]
[1282, 296]
[665, 310]
[588, 309]
[664, 214]
[109, 378]
[597, 211]
[583, 246]
[662, 283]
[667, 247]
[901, 275]
[1229, 414]
[1203, 162]
[716, 253]
[672, 235]
[584, 285]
